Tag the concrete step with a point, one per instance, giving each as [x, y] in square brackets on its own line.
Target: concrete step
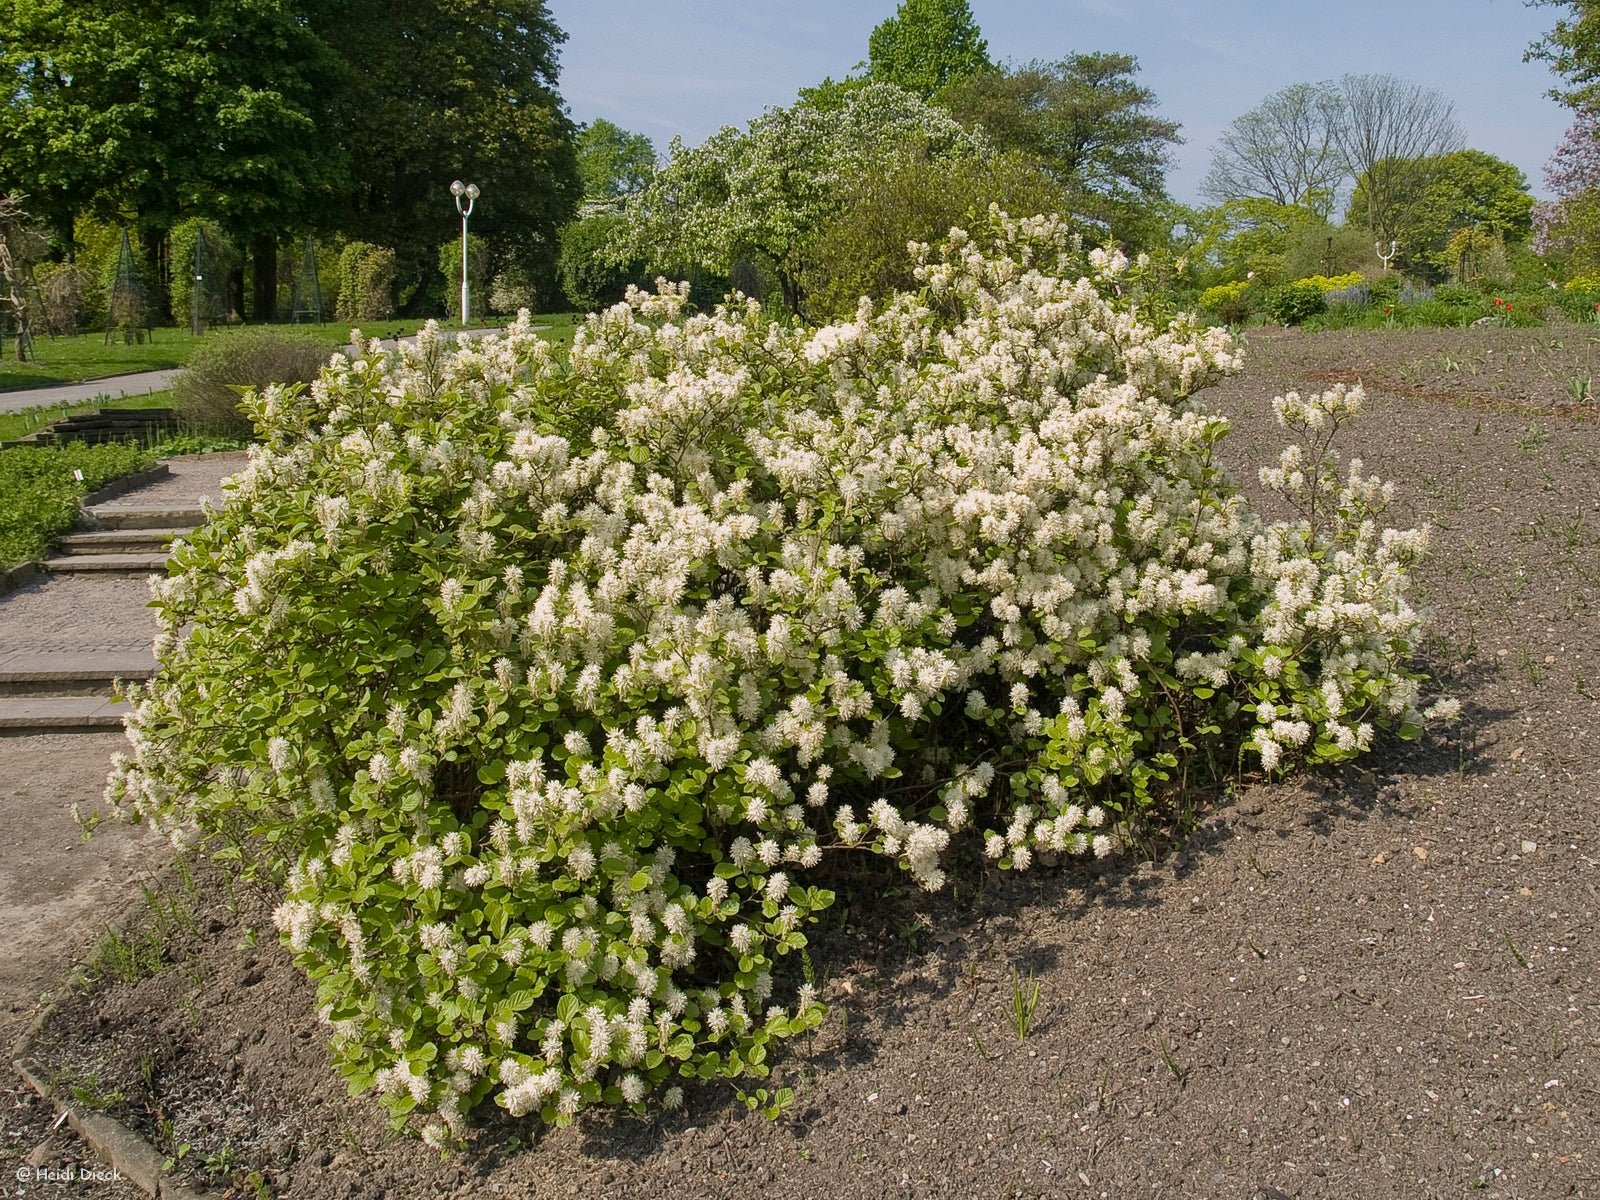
[58, 714]
[146, 516]
[120, 541]
[120, 564]
[42, 674]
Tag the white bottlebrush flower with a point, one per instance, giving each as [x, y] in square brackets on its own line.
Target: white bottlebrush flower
[962, 558]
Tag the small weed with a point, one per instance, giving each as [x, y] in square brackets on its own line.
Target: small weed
[769, 1104]
[1024, 1002]
[1518, 584]
[1255, 866]
[1515, 953]
[1257, 950]
[1534, 436]
[1581, 389]
[128, 956]
[88, 1091]
[1582, 684]
[910, 933]
[1528, 666]
[1105, 1099]
[1170, 1060]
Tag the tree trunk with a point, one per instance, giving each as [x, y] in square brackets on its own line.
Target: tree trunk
[264, 258]
[158, 303]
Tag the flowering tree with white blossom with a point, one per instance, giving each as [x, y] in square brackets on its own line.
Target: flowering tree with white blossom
[545, 686]
[765, 191]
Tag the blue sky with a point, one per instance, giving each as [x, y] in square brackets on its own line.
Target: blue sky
[688, 67]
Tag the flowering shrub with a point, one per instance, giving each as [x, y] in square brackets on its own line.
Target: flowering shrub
[1230, 301]
[546, 685]
[1334, 283]
[1292, 303]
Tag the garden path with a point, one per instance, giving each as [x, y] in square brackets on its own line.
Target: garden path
[56, 890]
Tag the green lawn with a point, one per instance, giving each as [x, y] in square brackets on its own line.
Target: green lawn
[88, 356]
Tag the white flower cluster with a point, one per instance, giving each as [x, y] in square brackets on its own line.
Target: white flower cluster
[546, 685]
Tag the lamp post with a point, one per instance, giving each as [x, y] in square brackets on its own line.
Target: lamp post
[469, 193]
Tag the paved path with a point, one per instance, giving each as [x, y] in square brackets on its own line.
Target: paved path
[140, 384]
[56, 890]
[113, 387]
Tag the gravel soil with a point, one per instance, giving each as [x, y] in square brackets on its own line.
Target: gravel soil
[1378, 981]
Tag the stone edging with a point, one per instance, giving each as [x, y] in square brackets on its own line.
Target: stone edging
[116, 1145]
[13, 578]
[120, 487]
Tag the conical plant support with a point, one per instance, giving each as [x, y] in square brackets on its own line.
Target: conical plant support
[128, 312]
[308, 287]
[208, 301]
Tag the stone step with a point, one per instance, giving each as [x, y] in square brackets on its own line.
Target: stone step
[120, 541]
[56, 673]
[146, 516]
[154, 563]
[58, 714]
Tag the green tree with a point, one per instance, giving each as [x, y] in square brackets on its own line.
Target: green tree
[1391, 129]
[1435, 198]
[761, 193]
[589, 279]
[1572, 49]
[435, 90]
[152, 110]
[1254, 238]
[927, 45]
[861, 249]
[613, 162]
[1088, 122]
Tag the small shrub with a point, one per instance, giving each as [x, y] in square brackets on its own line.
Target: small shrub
[545, 686]
[513, 290]
[1459, 295]
[366, 282]
[1351, 296]
[1230, 302]
[591, 278]
[477, 275]
[1292, 303]
[1576, 303]
[65, 291]
[1334, 283]
[206, 393]
[1385, 289]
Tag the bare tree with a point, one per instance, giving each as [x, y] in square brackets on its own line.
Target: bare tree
[19, 247]
[1286, 149]
[1389, 125]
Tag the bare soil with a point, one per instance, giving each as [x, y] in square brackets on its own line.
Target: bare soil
[1371, 982]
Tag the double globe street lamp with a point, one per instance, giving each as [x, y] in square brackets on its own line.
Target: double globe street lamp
[467, 192]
